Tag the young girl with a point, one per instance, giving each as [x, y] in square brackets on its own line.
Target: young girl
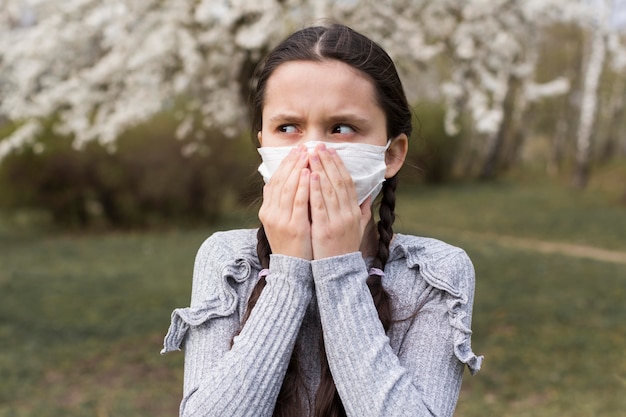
[321, 311]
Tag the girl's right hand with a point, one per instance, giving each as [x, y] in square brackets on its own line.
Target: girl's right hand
[285, 209]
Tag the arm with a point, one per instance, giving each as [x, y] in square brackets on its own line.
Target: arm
[243, 380]
[423, 379]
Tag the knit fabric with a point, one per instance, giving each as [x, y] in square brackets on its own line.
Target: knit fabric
[415, 369]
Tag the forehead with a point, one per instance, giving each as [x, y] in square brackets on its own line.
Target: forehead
[328, 80]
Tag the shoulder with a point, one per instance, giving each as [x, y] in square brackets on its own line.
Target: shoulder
[228, 246]
[222, 270]
[448, 269]
[442, 265]
[231, 241]
[224, 260]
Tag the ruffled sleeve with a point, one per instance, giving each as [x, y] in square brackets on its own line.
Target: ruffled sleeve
[221, 303]
[450, 270]
[238, 375]
[416, 368]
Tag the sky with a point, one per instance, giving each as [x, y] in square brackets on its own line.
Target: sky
[618, 19]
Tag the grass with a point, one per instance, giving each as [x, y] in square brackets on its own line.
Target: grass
[82, 317]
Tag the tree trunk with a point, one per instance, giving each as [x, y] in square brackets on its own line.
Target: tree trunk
[589, 103]
[559, 139]
[492, 164]
[588, 107]
[616, 115]
[488, 170]
[522, 119]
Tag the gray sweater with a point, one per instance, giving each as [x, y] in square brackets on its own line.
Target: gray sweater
[413, 370]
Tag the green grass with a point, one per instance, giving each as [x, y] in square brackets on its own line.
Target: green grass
[82, 317]
[541, 211]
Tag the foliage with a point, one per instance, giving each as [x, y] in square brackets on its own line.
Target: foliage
[86, 72]
[150, 180]
[131, 58]
[432, 151]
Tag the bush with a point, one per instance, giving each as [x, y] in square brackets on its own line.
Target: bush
[432, 152]
[148, 181]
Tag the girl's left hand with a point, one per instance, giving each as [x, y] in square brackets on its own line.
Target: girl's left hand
[337, 221]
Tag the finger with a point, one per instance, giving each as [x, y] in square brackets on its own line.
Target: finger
[272, 191]
[330, 192]
[319, 214]
[286, 185]
[301, 199]
[285, 167]
[339, 176]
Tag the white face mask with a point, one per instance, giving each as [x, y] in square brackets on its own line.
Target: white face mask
[364, 162]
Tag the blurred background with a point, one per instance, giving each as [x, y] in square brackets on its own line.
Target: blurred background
[124, 143]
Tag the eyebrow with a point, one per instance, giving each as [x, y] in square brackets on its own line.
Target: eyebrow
[351, 118]
[284, 117]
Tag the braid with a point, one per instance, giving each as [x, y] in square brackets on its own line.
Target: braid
[328, 403]
[385, 234]
[263, 251]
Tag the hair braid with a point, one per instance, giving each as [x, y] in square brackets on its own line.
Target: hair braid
[385, 234]
[263, 251]
[328, 403]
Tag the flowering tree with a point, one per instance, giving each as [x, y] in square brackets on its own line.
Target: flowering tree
[102, 67]
[99, 67]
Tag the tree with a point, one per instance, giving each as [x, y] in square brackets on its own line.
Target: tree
[593, 70]
[99, 68]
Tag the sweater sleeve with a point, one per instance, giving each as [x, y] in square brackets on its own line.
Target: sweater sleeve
[422, 379]
[242, 380]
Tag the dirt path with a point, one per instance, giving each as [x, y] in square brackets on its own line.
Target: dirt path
[567, 249]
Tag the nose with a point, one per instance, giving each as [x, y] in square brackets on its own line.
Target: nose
[311, 145]
[312, 138]
[313, 134]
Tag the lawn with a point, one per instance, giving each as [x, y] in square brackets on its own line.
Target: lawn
[82, 317]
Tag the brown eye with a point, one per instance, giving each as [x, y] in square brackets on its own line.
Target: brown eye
[287, 129]
[343, 129]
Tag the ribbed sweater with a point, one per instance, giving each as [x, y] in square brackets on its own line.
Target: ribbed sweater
[414, 369]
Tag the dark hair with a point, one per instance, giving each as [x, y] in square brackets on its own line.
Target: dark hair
[338, 42]
[318, 44]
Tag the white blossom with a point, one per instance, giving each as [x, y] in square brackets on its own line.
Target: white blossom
[102, 67]
[556, 87]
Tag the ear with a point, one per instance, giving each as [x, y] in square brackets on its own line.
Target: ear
[259, 138]
[396, 154]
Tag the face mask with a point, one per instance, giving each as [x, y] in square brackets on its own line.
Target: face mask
[364, 162]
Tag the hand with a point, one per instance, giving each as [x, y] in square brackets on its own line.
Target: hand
[337, 221]
[285, 209]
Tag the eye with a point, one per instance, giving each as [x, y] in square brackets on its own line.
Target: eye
[287, 129]
[343, 129]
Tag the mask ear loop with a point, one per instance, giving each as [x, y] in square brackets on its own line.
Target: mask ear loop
[387, 148]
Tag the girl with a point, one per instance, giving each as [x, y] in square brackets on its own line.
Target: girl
[322, 312]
